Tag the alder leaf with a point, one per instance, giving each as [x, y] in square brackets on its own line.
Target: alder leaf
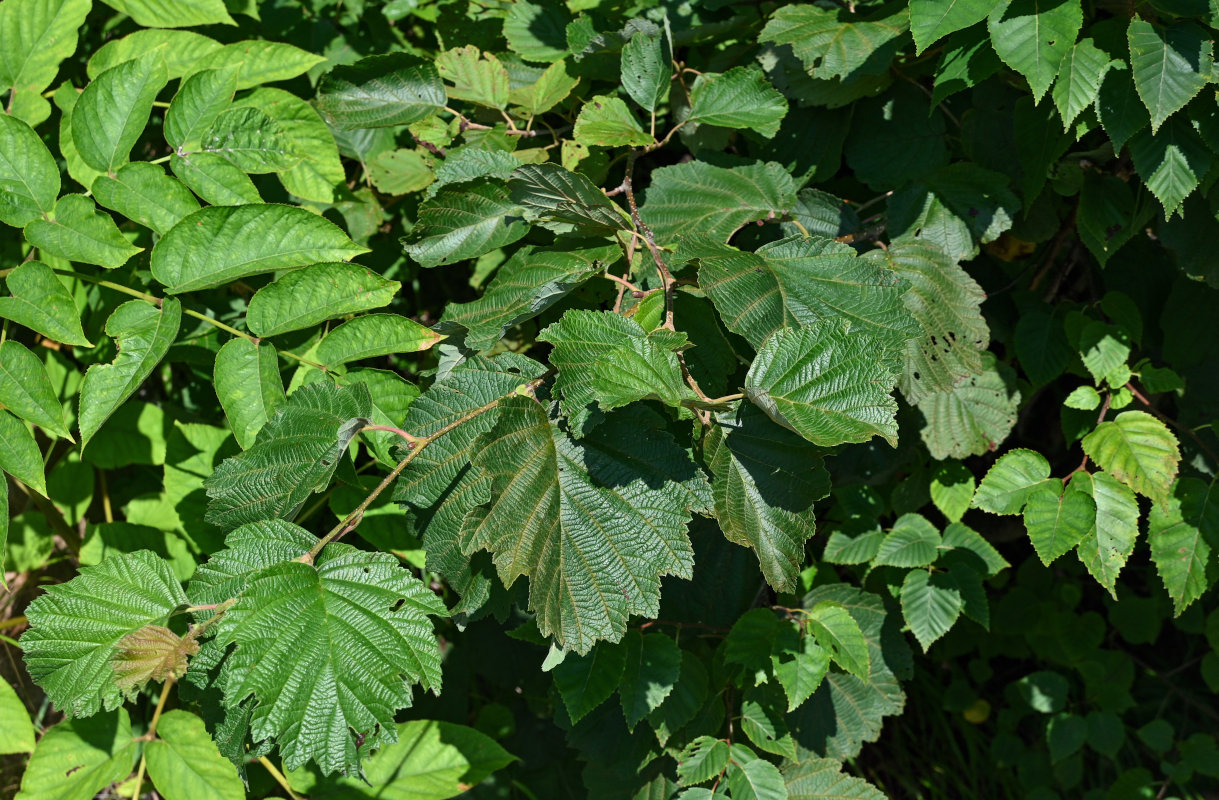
[742, 97]
[1032, 37]
[1079, 80]
[837, 631]
[834, 43]
[381, 91]
[76, 627]
[1184, 534]
[555, 194]
[1011, 480]
[294, 456]
[1169, 65]
[593, 525]
[1138, 450]
[1110, 541]
[912, 542]
[822, 778]
[931, 20]
[975, 416]
[608, 122]
[698, 197]
[1058, 520]
[464, 220]
[329, 648]
[931, 604]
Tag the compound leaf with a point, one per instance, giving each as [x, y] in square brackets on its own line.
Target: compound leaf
[199, 101]
[26, 390]
[79, 232]
[78, 758]
[29, 176]
[250, 140]
[374, 335]
[143, 193]
[35, 36]
[20, 455]
[113, 110]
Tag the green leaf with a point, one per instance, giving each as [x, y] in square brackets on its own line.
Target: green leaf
[607, 122]
[1169, 65]
[833, 42]
[464, 221]
[251, 140]
[593, 525]
[381, 91]
[1033, 37]
[305, 297]
[182, 50]
[1171, 163]
[653, 664]
[822, 779]
[35, 36]
[392, 396]
[961, 537]
[837, 631]
[173, 13]
[294, 456]
[41, 303]
[29, 176]
[1138, 450]
[113, 110]
[699, 198]
[477, 78]
[586, 681]
[529, 283]
[328, 648]
[397, 172]
[703, 759]
[647, 69]
[19, 453]
[762, 721]
[550, 89]
[216, 245]
[738, 98]
[955, 208]
[75, 627]
[1011, 480]
[1183, 533]
[912, 542]
[974, 417]
[215, 179]
[1103, 349]
[199, 101]
[16, 730]
[766, 480]
[684, 702]
[248, 387]
[1110, 541]
[952, 489]
[374, 335]
[184, 764]
[931, 604]
[143, 193]
[143, 334]
[1057, 520]
[931, 20]
[1079, 79]
[1118, 106]
[825, 384]
[26, 390]
[753, 779]
[1042, 347]
[79, 232]
[800, 671]
[968, 59]
[558, 195]
[78, 758]
[319, 171]
[261, 62]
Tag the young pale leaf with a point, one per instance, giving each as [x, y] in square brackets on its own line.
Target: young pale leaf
[143, 193]
[699, 198]
[556, 194]
[150, 653]
[1057, 520]
[477, 78]
[464, 221]
[931, 604]
[29, 176]
[952, 489]
[797, 281]
[653, 664]
[702, 760]
[1033, 38]
[373, 335]
[79, 232]
[219, 244]
[529, 283]
[199, 101]
[1010, 481]
[215, 179]
[184, 763]
[261, 62]
[1169, 65]
[931, 20]
[16, 730]
[593, 525]
[839, 634]
[766, 480]
[550, 89]
[251, 140]
[607, 122]
[1184, 535]
[1110, 541]
[912, 542]
[381, 91]
[26, 390]
[1079, 80]
[330, 648]
[113, 110]
[306, 297]
[80, 757]
[174, 13]
[294, 456]
[647, 67]
[585, 682]
[143, 334]
[833, 42]
[974, 417]
[742, 97]
[1172, 163]
[248, 387]
[825, 384]
[1138, 450]
[75, 627]
[35, 35]
[19, 453]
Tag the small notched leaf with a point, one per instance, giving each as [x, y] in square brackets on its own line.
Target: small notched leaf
[151, 653]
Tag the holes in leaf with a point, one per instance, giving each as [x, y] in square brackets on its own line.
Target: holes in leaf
[397, 605]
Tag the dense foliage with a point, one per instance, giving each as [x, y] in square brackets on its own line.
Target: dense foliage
[636, 399]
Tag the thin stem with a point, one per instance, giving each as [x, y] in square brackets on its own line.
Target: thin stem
[107, 511]
[623, 282]
[278, 776]
[12, 622]
[649, 238]
[410, 440]
[139, 778]
[156, 715]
